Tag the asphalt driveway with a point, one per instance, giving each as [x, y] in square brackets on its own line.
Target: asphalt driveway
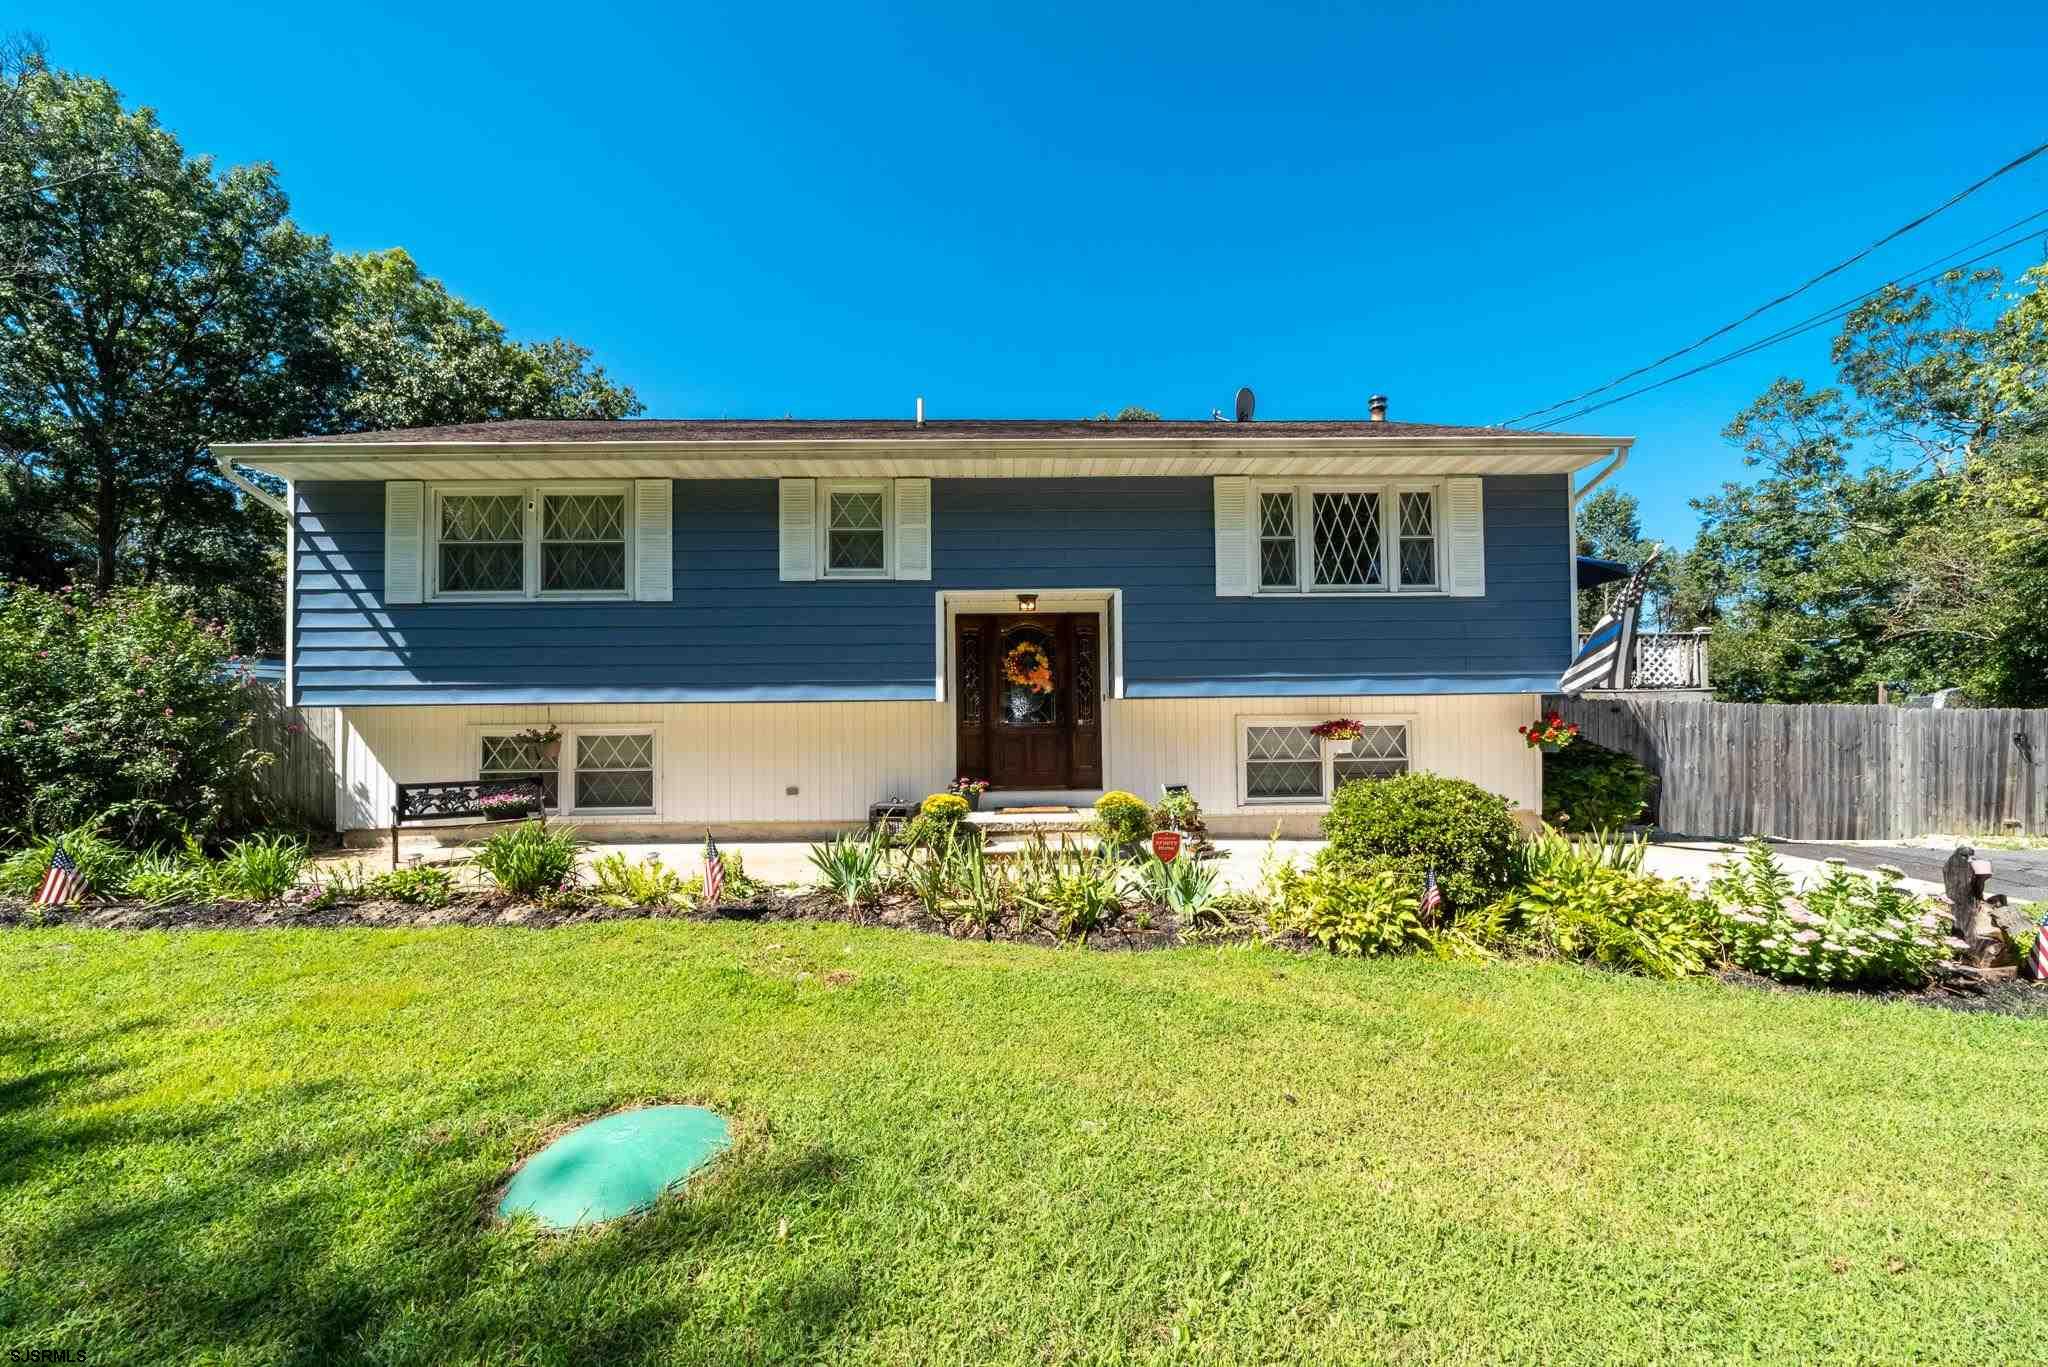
[2022, 875]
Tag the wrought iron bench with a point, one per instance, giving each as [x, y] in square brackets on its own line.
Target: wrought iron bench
[460, 798]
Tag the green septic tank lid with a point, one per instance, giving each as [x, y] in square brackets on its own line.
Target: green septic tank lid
[615, 1165]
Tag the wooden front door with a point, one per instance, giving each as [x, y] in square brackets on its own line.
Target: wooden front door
[1029, 704]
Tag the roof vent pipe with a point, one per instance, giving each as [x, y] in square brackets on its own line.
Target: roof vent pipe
[1377, 407]
[920, 410]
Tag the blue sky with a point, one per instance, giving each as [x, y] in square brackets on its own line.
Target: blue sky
[1033, 211]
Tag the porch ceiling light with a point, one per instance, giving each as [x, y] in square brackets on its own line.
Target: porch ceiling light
[1027, 602]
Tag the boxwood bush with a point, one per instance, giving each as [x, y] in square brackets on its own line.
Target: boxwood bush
[1413, 823]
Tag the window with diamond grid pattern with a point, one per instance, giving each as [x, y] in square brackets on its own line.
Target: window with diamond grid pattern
[513, 757]
[483, 543]
[1277, 541]
[1382, 752]
[1418, 539]
[855, 542]
[583, 543]
[1347, 539]
[615, 772]
[1282, 763]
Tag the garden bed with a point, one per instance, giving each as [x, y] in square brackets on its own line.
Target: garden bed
[1147, 929]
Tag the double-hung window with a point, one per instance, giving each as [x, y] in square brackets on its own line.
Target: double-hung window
[1348, 538]
[530, 541]
[1282, 763]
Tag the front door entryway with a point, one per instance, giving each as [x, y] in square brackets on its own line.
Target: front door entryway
[1029, 699]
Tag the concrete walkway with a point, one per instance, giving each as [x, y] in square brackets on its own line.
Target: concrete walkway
[2022, 875]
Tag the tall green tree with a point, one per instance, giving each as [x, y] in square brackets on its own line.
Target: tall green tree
[414, 355]
[149, 309]
[1610, 527]
[1896, 528]
[151, 305]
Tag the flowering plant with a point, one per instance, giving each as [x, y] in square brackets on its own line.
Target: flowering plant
[1847, 930]
[504, 800]
[968, 787]
[1338, 728]
[1027, 664]
[1552, 730]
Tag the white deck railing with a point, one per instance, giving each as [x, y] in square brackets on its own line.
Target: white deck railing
[1668, 659]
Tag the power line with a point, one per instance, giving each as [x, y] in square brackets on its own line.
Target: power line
[1840, 311]
[1836, 269]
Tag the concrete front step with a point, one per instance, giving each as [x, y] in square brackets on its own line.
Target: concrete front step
[1049, 824]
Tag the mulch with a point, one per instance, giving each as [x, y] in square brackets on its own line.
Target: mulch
[1155, 929]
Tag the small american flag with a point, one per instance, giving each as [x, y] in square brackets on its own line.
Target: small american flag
[1432, 895]
[714, 873]
[62, 883]
[2037, 962]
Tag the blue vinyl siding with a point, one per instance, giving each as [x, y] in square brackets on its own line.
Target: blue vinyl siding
[736, 633]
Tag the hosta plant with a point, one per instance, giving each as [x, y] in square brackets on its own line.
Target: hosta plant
[1845, 930]
[1349, 913]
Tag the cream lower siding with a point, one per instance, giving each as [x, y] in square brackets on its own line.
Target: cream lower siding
[732, 765]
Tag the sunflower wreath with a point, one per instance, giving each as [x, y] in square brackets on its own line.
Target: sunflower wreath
[1028, 664]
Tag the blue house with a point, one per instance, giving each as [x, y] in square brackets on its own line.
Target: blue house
[764, 626]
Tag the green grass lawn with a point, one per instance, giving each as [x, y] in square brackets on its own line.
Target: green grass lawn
[276, 1147]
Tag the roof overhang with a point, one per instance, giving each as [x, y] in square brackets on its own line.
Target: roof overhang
[1336, 457]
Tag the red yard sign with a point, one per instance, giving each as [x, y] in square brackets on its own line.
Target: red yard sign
[1166, 844]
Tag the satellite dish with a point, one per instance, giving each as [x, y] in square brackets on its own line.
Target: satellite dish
[1245, 402]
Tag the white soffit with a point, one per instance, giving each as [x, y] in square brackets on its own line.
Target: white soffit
[1016, 458]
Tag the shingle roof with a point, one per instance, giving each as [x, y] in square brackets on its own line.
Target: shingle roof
[869, 429]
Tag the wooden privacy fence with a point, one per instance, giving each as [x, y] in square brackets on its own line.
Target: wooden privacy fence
[301, 741]
[1834, 772]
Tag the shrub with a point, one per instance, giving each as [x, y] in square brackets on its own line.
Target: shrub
[1848, 930]
[261, 868]
[418, 885]
[1122, 818]
[125, 706]
[101, 863]
[1347, 913]
[645, 884]
[530, 859]
[1587, 787]
[944, 808]
[937, 821]
[853, 868]
[1590, 900]
[1413, 823]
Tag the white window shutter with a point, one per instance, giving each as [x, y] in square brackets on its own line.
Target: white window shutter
[404, 537]
[1465, 537]
[654, 542]
[1233, 536]
[799, 519]
[913, 529]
